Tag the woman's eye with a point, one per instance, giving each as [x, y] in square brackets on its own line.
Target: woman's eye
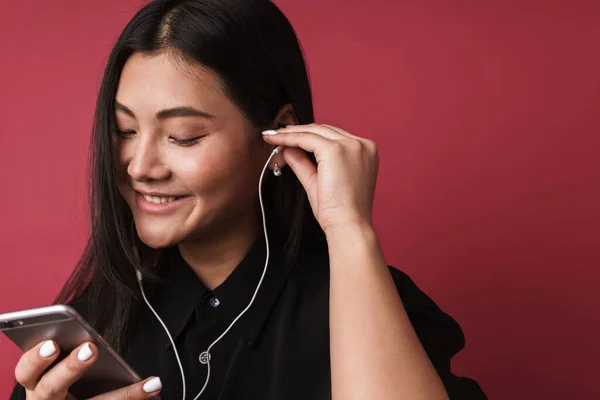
[186, 142]
[124, 134]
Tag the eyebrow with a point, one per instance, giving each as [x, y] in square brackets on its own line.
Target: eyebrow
[169, 112]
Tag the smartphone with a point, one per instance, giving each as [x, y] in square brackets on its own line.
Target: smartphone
[69, 330]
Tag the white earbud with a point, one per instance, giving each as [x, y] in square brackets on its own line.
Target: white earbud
[205, 356]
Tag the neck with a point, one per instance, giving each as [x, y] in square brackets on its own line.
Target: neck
[213, 258]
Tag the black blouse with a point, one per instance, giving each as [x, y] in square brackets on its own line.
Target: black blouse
[279, 349]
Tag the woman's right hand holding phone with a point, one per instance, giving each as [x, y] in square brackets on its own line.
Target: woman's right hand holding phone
[54, 383]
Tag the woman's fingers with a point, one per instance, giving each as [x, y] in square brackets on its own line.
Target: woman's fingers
[55, 383]
[64, 374]
[327, 131]
[308, 141]
[304, 168]
[321, 130]
[34, 362]
[342, 132]
[145, 389]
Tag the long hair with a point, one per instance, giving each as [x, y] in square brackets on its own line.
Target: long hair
[253, 48]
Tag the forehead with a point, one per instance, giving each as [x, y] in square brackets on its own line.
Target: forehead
[151, 82]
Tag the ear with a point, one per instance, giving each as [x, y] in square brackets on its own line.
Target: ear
[285, 116]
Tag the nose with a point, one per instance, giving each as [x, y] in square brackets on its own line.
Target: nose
[146, 163]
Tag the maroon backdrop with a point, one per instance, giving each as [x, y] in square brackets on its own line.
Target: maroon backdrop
[488, 119]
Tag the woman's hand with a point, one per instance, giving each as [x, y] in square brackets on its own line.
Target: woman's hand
[342, 185]
[54, 384]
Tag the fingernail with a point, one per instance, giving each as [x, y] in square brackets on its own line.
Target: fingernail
[269, 132]
[152, 385]
[85, 353]
[290, 126]
[47, 349]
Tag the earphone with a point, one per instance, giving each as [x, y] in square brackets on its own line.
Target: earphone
[205, 356]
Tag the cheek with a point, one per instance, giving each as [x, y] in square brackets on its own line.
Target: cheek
[213, 173]
[201, 173]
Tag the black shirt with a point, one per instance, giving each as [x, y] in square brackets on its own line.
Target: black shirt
[279, 349]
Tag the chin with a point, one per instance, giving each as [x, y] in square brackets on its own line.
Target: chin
[157, 243]
[157, 240]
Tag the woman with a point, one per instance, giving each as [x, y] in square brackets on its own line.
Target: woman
[305, 308]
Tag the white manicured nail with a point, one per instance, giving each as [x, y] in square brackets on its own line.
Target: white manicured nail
[270, 132]
[152, 385]
[85, 353]
[47, 349]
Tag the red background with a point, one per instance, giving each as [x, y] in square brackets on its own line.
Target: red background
[488, 119]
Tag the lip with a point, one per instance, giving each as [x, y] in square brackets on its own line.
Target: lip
[154, 208]
[157, 194]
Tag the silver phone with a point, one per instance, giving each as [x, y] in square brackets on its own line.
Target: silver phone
[69, 330]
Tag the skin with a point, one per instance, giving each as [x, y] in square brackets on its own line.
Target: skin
[216, 223]
[375, 352]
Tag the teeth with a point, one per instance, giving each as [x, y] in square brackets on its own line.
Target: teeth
[158, 200]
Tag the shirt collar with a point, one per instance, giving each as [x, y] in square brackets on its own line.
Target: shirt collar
[182, 291]
[178, 293]
[237, 291]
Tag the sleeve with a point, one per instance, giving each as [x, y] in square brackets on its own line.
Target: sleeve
[18, 393]
[440, 335]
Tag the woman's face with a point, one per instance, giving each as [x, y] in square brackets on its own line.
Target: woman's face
[187, 159]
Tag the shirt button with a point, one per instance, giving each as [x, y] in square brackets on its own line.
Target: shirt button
[214, 302]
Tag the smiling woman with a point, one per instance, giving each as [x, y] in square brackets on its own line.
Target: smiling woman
[180, 138]
[178, 156]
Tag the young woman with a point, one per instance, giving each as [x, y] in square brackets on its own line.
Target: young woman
[284, 298]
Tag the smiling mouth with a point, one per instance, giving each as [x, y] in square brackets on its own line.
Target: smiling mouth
[159, 199]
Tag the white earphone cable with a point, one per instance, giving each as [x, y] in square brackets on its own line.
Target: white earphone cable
[206, 356]
[138, 274]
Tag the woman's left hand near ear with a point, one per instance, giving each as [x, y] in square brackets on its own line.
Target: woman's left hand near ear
[341, 186]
